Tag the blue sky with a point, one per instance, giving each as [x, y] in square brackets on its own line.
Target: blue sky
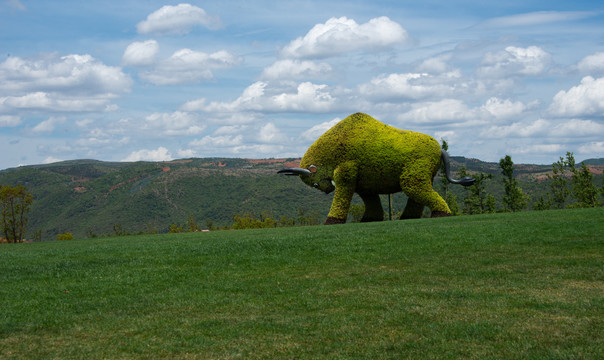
[159, 80]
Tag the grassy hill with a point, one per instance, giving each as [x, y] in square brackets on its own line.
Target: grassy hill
[508, 286]
[88, 197]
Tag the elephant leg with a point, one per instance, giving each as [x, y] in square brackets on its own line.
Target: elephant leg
[417, 184]
[413, 210]
[373, 208]
[345, 179]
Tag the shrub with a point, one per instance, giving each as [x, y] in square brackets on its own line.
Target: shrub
[65, 236]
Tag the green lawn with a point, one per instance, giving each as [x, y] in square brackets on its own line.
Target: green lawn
[507, 286]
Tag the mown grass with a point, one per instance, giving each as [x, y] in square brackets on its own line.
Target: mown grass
[507, 286]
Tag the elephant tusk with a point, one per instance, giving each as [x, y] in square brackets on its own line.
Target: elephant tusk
[295, 171]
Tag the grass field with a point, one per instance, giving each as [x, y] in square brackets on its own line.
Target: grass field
[506, 286]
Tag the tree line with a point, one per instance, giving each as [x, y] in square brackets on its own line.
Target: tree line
[570, 186]
[567, 183]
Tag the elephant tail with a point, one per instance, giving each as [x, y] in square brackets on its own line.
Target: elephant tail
[466, 181]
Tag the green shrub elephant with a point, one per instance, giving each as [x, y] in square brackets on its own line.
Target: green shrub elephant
[360, 154]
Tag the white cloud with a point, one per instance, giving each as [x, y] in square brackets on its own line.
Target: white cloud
[295, 69]
[159, 154]
[593, 64]
[536, 18]
[186, 153]
[306, 97]
[66, 83]
[230, 129]
[179, 19]
[84, 122]
[443, 111]
[48, 126]
[314, 132]
[437, 64]
[178, 123]
[186, 66]
[140, 53]
[413, 86]
[539, 127]
[270, 134]
[503, 109]
[218, 141]
[51, 159]
[539, 148]
[69, 74]
[515, 61]
[577, 128]
[581, 100]
[342, 35]
[592, 148]
[309, 97]
[9, 120]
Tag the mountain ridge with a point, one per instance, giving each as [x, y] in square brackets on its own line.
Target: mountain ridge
[91, 197]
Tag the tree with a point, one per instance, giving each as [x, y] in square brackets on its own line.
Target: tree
[192, 225]
[542, 204]
[559, 185]
[477, 201]
[514, 199]
[580, 186]
[175, 228]
[65, 236]
[584, 189]
[14, 205]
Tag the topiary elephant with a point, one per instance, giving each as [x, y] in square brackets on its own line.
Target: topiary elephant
[360, 154]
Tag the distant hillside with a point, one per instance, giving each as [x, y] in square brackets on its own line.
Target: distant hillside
[90, 197]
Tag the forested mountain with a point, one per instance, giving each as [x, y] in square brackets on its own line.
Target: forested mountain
[91, 198]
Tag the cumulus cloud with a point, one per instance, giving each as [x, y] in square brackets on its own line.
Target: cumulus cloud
[179, 19]
[68, 74]
[582, 100]
[141, 53]
[314, 132]
[437, 112]
[66, 83]
[173, 124]
[437, 64]
[230, 129]
[186, 66]
[592, 63]
[186, 153]
[295, 69]
[517, 129]
[159, 154]
[270, 134]
[9, 120]
[503, 109]
[515, 61]
[577, 128]
[48, 126]
[306, 97]
[342, 35]
[412, 86]
[309, 97]
[539, 148]
[592, 148]
[219, 141]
